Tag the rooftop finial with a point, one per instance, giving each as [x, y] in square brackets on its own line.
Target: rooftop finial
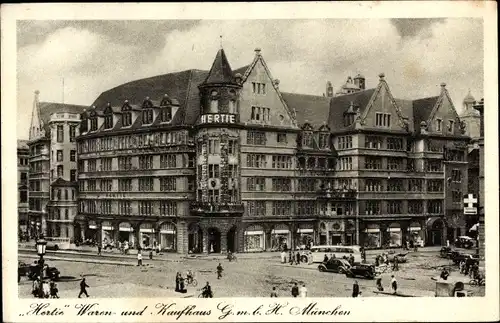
[257, 51]
[381, 75]
[443, 85]
[220, 41]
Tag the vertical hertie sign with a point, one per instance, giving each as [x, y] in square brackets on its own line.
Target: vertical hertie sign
[470, 204]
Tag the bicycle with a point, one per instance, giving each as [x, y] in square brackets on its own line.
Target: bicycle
[191, 281]
[231, 257]
[481, 281]
[203, 295]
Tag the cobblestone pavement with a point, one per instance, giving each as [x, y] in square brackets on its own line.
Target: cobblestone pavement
[244, 278]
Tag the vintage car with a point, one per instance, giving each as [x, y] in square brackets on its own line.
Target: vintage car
[457, 257]
[464, 242]
[22, 268]
[446, 252]
[361, 270]
[340, 266]
[49, 272]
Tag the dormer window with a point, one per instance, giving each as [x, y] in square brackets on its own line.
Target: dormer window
[451, 123]
[108, 121]
[93, 124]
[166, 114]
[438, 124]
[348, 119]
[307, 139]
[147, 116]
[127, 119]
[84, 125]
[324, 140]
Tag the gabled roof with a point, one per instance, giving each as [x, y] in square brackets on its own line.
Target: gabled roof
[22, 144]
[340, 104]
[312, 109]
[221, 72]
[422, 109]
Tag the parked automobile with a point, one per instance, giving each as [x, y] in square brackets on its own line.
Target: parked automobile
[49, 272]
[457, 257]
[446, 252]
[464, 242]
[362, 270]
[22, 268]
[334, 265]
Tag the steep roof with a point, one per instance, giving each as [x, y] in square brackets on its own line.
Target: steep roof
[22, 144]
[49, 108]
[221, 70]
[422, 109]
[406, 107]
[311, 108]
[340, 104]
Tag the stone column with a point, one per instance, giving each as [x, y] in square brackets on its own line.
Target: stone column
[444, 235]
[99, 231]
[357, 232]
[71, 233]
[182, 237]
[116, 232]
[223, 241]
[137, 234]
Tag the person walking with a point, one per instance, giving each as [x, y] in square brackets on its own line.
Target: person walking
[295, 290]
[83, 288]
[219, 271]
[351, 260]
[273, 293]
[297, 256]
[325, 260]
[178, 282]
[151, 254]
[99, 249]
[379, 285]
[394, 284]
[207, 291]
[395, 265]
[53, 289]
[303, 291]
[139, 258]
[290, 257]
[355, 289]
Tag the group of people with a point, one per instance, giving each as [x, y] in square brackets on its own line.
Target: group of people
[44, 288]
[469, 267]
[296, 291]
[394, 284]
[291, 258]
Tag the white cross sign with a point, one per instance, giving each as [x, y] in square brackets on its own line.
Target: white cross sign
[470, 204]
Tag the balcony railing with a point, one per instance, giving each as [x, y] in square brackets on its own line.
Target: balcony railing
[337, 193]
[199, 207]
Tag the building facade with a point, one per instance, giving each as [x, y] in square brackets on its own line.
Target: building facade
[223, 160]
[479, 106]
[22, 186]
[52, 168]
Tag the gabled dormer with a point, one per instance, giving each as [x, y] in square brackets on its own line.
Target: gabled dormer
[350, 114]
[108, 117]
[324, 137]
[127, 114]
[147, 113]
[306, 137]
[84, 123]
[93, 120]
[168, 109]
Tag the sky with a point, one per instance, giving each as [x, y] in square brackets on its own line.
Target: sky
[416, 55]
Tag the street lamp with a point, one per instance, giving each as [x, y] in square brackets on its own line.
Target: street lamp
[41, 245]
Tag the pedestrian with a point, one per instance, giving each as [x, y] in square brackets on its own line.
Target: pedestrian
[273, 293]
[83, 288]
[379, 284]
[207, 291]
[219, 271]
[297, 258]
[151, 254]
[36, 286]
[45, 289]
[303, 291]
[351, 259]
[444, 274]
[178, 282]
[283, 256]
[395, 264]
[99, 249]
[355, 289]
[325, 260]
[182, 289]
[290, 257]
[53, 289]
[139, 258]
[295, 290]
[377, 261]
[394, 284]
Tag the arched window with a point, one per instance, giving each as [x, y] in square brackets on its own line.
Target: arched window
[232, 106]
[214, 102]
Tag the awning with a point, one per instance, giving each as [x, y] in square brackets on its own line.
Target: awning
[305, 231]
[108, 228]
[167, 231]
[394, 229]
[147, 230]
[92, 226]
[279, 231]
[415, 228]
[372, 230]
[254, 233]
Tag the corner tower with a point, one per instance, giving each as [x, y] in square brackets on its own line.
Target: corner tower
[218, 198]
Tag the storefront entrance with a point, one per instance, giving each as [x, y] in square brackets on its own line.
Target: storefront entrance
[213, 240]
[231, 240]
[195, 238]
[435, 231]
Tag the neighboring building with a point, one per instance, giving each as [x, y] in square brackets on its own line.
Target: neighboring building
[352, 85]
[223, 160]
[22, 186]
[472, 120]
[54, 127]
[479, 106]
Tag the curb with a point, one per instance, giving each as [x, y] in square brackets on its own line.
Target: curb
[92, 261]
